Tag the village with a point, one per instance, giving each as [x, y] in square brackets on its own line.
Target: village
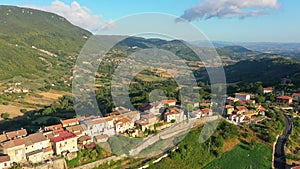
[72, 135]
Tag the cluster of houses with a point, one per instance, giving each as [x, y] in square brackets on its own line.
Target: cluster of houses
[288, 99]
[284, 99]
[16, 89]
[78, 133]
[242, 112]
[238, 113]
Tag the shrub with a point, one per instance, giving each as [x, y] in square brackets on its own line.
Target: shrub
[5, 116]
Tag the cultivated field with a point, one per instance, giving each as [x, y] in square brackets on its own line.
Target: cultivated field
[46, 97]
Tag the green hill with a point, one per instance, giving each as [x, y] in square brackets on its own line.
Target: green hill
[270, 71]
[29, 37]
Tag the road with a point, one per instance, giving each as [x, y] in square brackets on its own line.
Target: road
[279, 155]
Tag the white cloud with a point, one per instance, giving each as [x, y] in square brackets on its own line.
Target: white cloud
[229, 9]
[77, 14]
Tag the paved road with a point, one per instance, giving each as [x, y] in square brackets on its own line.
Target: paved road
[279, 155]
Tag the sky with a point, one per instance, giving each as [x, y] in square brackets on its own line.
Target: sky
[221, 20]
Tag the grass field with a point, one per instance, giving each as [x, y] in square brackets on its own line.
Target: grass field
[13, 110]
[47, 97]
[244, 156]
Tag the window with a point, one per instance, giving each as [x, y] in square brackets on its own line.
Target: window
[5, 164]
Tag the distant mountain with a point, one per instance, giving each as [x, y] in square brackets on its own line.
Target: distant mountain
[30, 39]
[270, 71]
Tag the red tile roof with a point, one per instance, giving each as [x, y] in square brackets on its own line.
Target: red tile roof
[168, 101]
[64, 135]
[261, 108]
[284, 97]
[13, 143]
[3, 138]
[107, 119]
[70, 121]
[241, 108]
[4, 158]
[34, 138]
[18, 133]
[123, 120]
[197, 112]
[206, 110]
[77, 129]
[56, 127]
[229, 106]
[296, 94]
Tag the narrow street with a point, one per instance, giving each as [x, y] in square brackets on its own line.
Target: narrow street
[279, 155]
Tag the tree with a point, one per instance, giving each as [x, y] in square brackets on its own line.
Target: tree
[5, 116]
[260, 89]
[260, 99]
[23, 110]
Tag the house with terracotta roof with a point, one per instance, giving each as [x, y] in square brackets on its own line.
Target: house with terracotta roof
[197, 114]
[83, 140]
[231, 100]
[123, 124]
[243, 96]
[268, 90]
[156, 108]
[5, 161]
[99, 126]
[261, 110]
[36, 148]
[132, 115]
[240, 110]
[284, 99]
[3, 138]
[16, 134]
[296, 96]
[229, 109]
[64, 142]
[54, 128]
[78, 130]
[150, 118]
[206, 112]
[174, 113]
[15, 149]
[70, 122]
[169, 103]
[143, 125]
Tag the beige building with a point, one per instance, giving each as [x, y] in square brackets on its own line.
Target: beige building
[15, 149]
[16, 134]
[70, 122]
[175, 114]
[37, 148]
[64, 142]
[123, 124]
[5, 162]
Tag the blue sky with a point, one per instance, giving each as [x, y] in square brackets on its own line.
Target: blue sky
[262, 21]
